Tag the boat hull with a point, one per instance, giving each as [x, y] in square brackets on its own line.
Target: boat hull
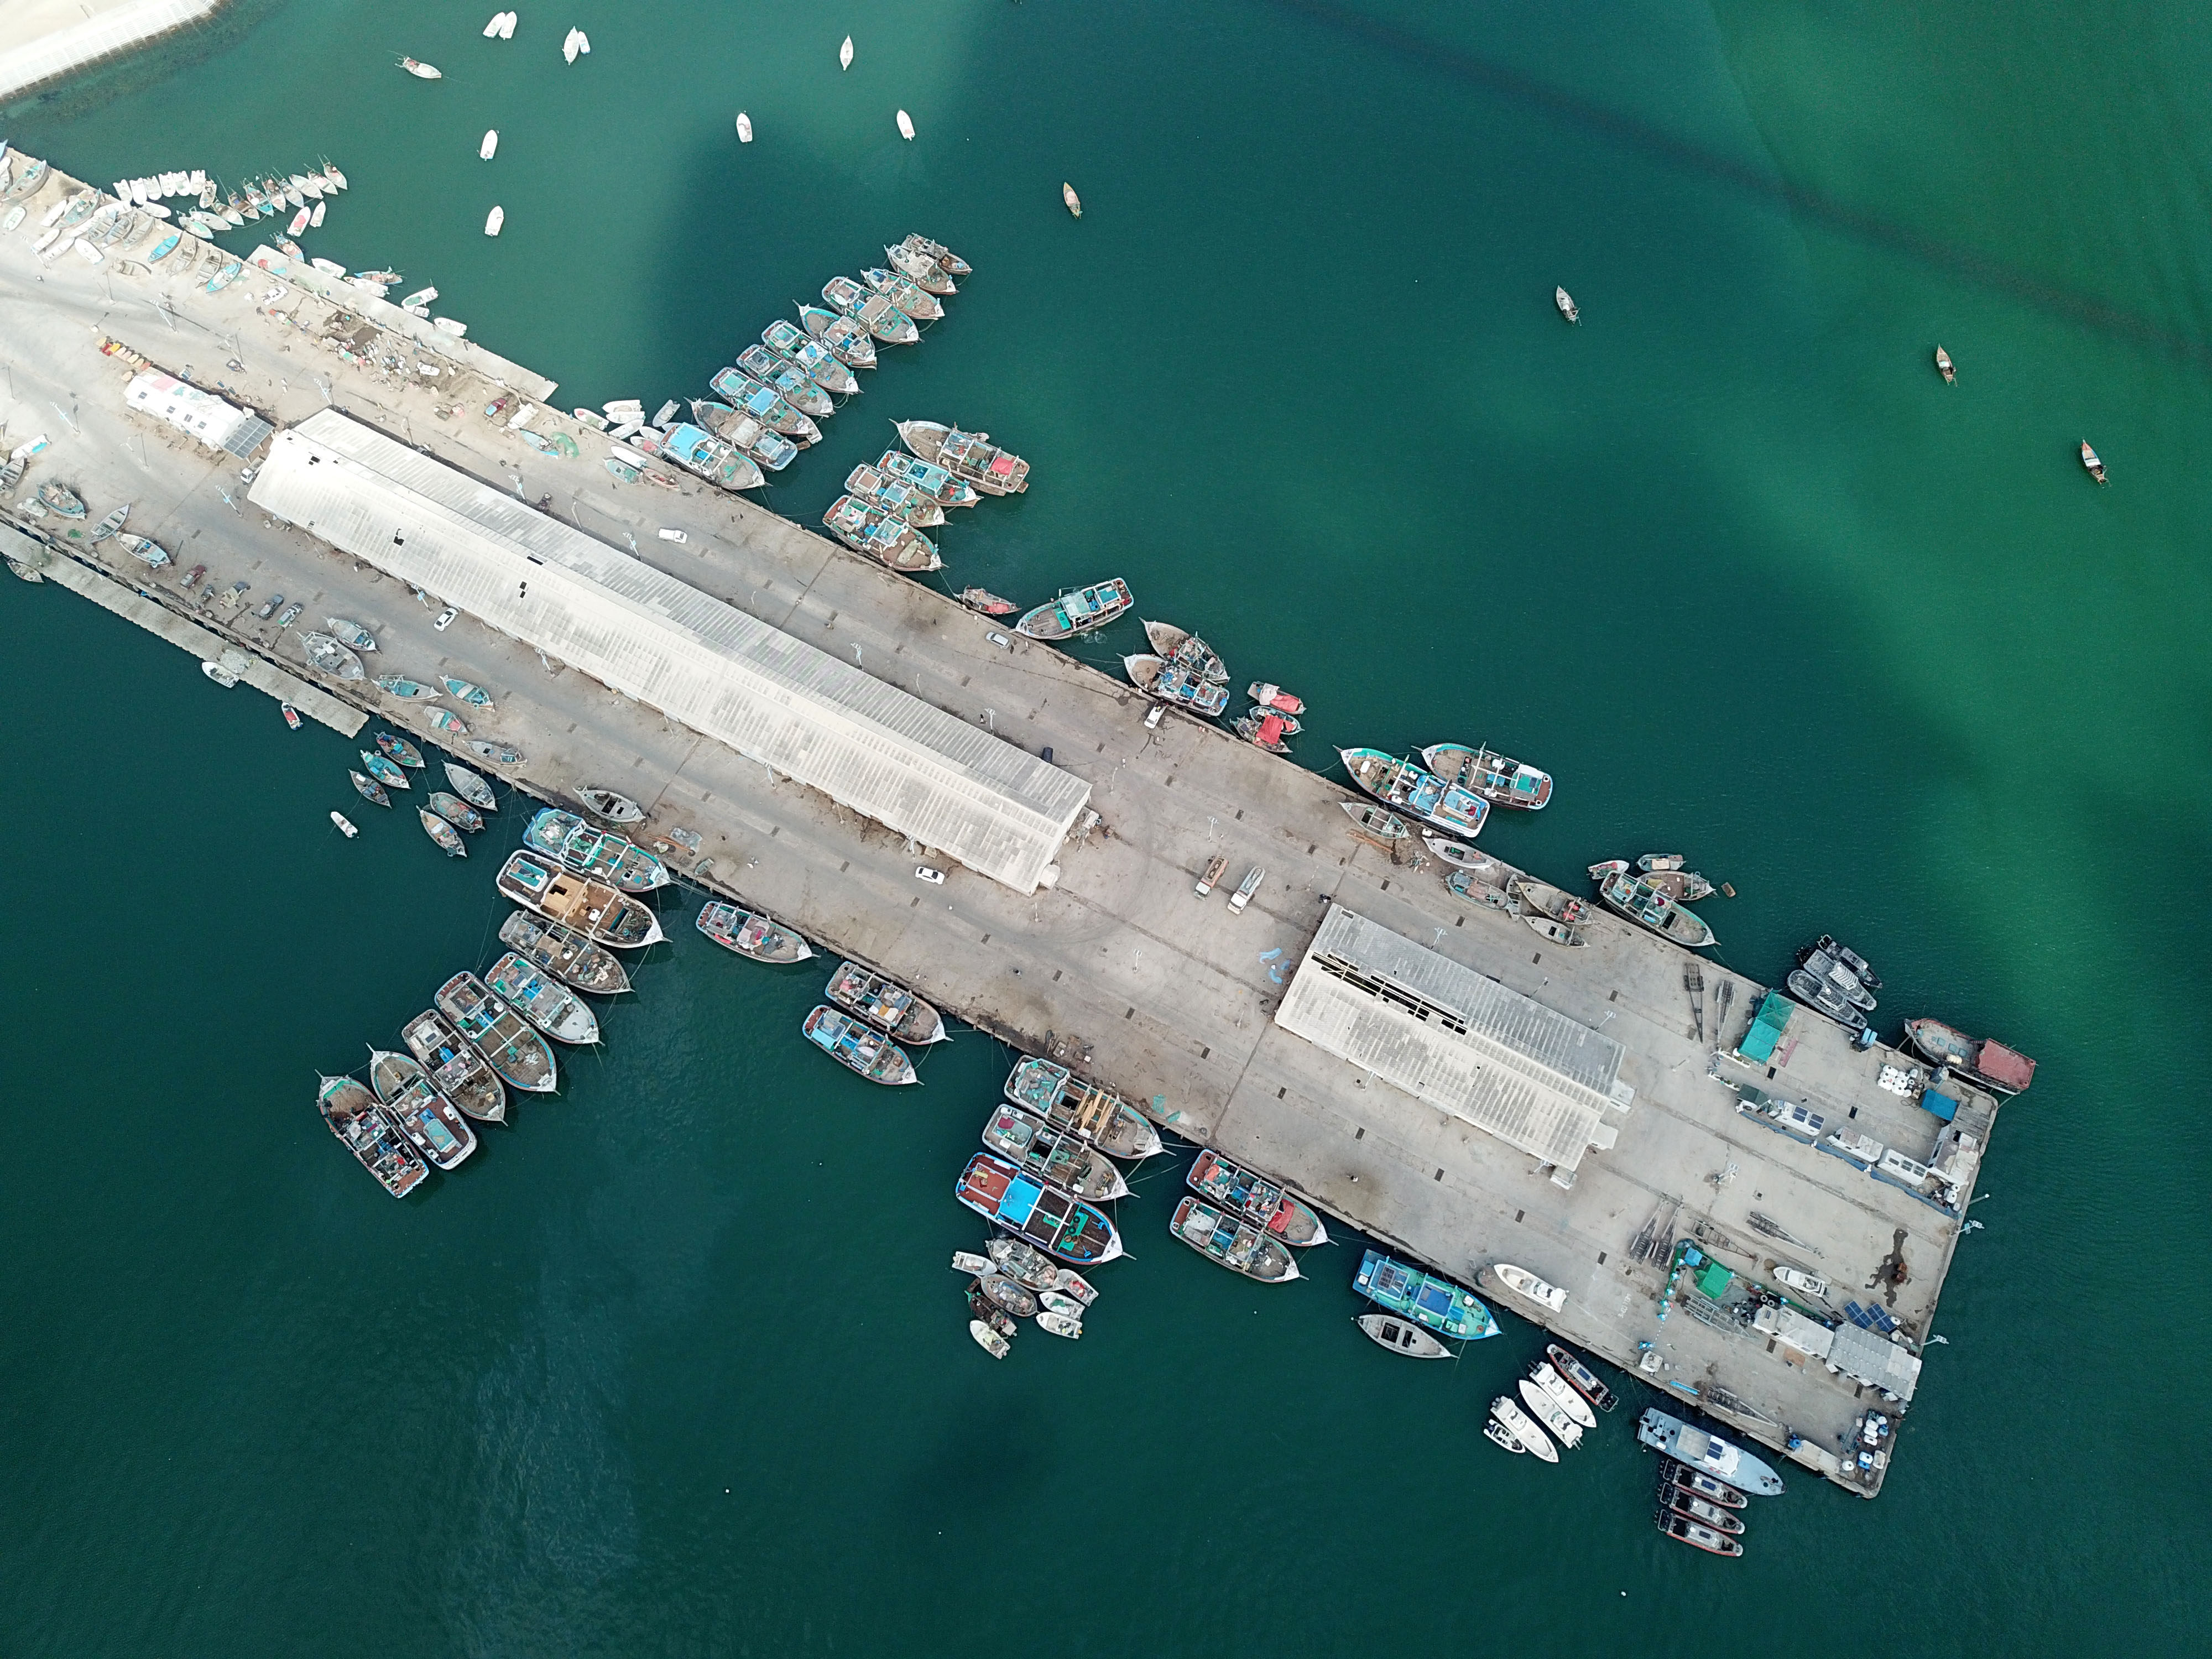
[1091, 1113]
[1230, 1241]
[355, 1117]
[590, 908]
[546, 1003]
[1707, 1454]
[564, 953]
[509, 1045]
[752, 933]
[1439, 1304]
[1057, 1223]
[862, 1050]
[456, 1069]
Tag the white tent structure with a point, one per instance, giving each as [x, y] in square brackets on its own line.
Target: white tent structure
[869, 746]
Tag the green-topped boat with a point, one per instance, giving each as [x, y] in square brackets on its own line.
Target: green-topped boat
[1439, 1304]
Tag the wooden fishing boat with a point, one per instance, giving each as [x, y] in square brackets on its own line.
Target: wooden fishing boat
[1374, 821]
[614, 808]
[1943, 366]
[732, 457]
[795, 388]
[862, 1050]
[881, 535]
[1173, 683]
[398, 748]
[1059, 1160]
[448, 838]
[1546, 900]
[931, 480]
[1068, 195]
[399, 685]
[2089, 460]
[508, 1045]
[144, 549]
[1683, 886]
[446, 722]
[108, 525]
[468, 692]
[970, 455]
[936, 251]
[989, 1340]
[1402, 1336]
[1271, 697]
[1483, 771]
[602, 854]
[499, 754]
[1068, 1102]
[470, 787]
[1633, 897]
[918, 267]
[1507, 1413]
[848, 341]
[1427, 1300]
[907, 294]
[903, 501]
[1056, 1222]
[1988, 1063]
[354, 1116]
[1565, 303]
[811, 358]
[1580, 1377]
[1014, 1297]
[1455, 854]
[969, 1263]
[1186, 649]
[561, 950]
[1079, 611]
[752, 933]
[1698, 1537]
[590, 908]
[885, 1003]
[383, 771]
[1402, 784]
[332, 657]
[59, 498]
[989, 1311]
[417, 1110]
[1023, 1261]
[1264, 729]
[1257, 1199]
[543, 1001]
[871, 312]
[985, 602]
[370, 789]
[1055, 1323]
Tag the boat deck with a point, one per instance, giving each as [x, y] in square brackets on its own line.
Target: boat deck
[1121, 971]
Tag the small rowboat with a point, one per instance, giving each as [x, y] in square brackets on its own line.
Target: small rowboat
[399, 749]
[989, 604]
[745, 128]
[614, 808]
[845, 54]
[1403, 1336]
[1566, 301]
[1059, 1324]
[2089, 459]
[446, 720]
[398, 685]
[1074, 202]
[443, 833]
[1943, 365]
[498, 754]
[1455, 854]
[345, 824]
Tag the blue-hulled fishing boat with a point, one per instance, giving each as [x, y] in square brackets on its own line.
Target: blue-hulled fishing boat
[1057, 1223]
[1439, 1304]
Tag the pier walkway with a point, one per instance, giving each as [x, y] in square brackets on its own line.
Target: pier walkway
[1633, 1138]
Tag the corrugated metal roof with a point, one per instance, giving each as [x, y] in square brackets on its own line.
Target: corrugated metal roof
[1536, 1079]
[1870, 1358]
[869, 746]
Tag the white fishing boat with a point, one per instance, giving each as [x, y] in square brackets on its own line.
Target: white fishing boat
[1074, 202]
[745, 128]
[345, 824]
[988, 1339]
[906, 125]
[489, 148]
[1566, 301]
[845, 54]
[421, 296]
[448, 325]
[494, 220]
[1523, 1428]
[967, 1261]
[299, 223]
[568, 44]
[506, 25]
[1059, 1324]
[1522, 1283]
[422, 71]
[315, 218]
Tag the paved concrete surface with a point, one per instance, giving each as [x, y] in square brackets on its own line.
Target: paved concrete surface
[1122, 969]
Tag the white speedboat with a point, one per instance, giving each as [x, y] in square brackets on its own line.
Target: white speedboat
[1523, 1427]
[494, 220]
[906, 125]
[745, 128]
[491, 29]
[422, 71]
[1546, 1377]
[845, 54]
[489, 148]
[1547, 1411]
[1522, 1282]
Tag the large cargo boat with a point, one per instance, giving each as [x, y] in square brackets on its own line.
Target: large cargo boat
[1439, 1304]
[860, 1049]
[1057, 1223]
[1221, 1235]
[1707, 1453]
[1258, 1200]
[509, 1046]
[1402, 784]
[590, 908]
[361, 1126]
[457, 1069]
[1037, 1149]
[1066, 1101]
[563, 951]
[601, 854]
[885, 1003]
[2007, 1071]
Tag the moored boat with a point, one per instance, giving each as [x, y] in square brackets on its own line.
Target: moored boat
[1234, 1242]
[1402, 1336]
[907, 295]
[882, 535]
[1565, 303]
[1264, 729]
[1944, 368]
[455, 1067]
[562, 951]
[1261, 1201]
[790, 383]
[1269, 695]
[885, 1003]
[470, 787]
[1523, 1427]
[848, 341]
[1824, 997]
[601, 854]
[1522, 1283]
[1549, 901]
[398, 748]
[752, 933]
[1707, 1454]
[417, 1110]
[354, 1116]
[1980, 1060]
[1439, 1304]
[931, 481]
[543, 1001]
[989, 1340]
[920, 269]
[1698, 1484]
[383, 771]
[970, 455]
[866, 484]
[985, 602]
[1070, 200]
[1547, 1411]
[873, 312]
[1545, 1376]
[811, 358]
[1696, 1536]
[1683, 886]
[1016, 1298]
[370, 789]
[1079, 611]
[1402, 784]
[1066, 1101]
[945, 256]
[1060, 1160]
[1579, 1376]
[1498, 1435]
[421, 71]
[1485, 772]
[439, 831]
[1173, 683]
[591, 907]
[1180, 646]
[765, 405]
[1632, 897]
[508, 1045]
[1025, 1262]
[1056, 1223]
[1691, 1507]
[858, 1048]
[1054, 1322]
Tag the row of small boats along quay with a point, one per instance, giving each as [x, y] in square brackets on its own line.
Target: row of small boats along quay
[1542, 1102]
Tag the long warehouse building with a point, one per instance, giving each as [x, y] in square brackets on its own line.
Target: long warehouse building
[880, 751]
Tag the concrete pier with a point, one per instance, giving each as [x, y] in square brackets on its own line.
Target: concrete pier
[1119, 968]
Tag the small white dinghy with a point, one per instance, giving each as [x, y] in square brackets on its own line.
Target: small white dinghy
[494, 220]
[845, 54]
[489, 148]
[745, 128]
[315, 218]
[569, 47]
[422, 71]
[491, 29]
[1059, 1324]
[988, 1339]
[1068, 195]
[905, 126]
[507, 28]
[967, 1261]
[345, 824]
[1566, 301]
[1523, 1427]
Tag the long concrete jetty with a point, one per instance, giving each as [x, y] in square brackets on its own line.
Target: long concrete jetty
[1649, 1133]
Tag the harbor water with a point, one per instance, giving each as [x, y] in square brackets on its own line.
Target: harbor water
[675, 1364]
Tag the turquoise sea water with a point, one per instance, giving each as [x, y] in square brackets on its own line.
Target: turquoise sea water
[675, 1365]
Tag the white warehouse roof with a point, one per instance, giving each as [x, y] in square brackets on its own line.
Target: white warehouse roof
[1457, 1039]
[884, 753]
